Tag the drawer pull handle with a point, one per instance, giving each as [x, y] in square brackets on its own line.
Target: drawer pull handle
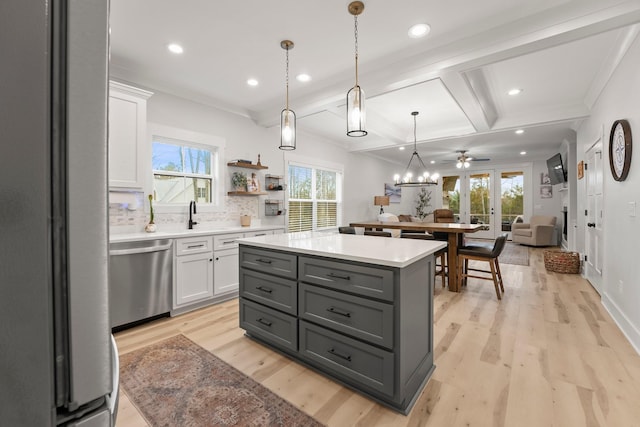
[264, 322]
[195, 246]
[263, 289]
[338, 311]
[338, 276]
[341, 356]
[264, 261]
[228, 242]
[258, 235]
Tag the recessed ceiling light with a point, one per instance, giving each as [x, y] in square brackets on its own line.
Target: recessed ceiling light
[514, 92]
[252, 82]
[519, 132]
[522, 153]
[175, 48]
[419, 30]
[303, 77]
[432, 162]
[400, 148]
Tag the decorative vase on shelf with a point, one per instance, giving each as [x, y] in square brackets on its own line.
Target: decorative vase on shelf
[151, 227]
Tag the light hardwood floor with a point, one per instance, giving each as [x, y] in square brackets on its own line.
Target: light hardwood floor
[548, 354]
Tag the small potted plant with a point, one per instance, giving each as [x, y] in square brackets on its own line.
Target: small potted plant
[239, 181]
[151, 226]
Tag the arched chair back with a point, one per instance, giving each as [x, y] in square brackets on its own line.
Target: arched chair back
[442, 216]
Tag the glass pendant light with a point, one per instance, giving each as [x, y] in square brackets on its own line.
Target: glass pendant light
[356, 114]
[287, 116]
[423, 177]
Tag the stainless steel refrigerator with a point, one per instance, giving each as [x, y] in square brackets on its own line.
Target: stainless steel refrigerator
[58, 365]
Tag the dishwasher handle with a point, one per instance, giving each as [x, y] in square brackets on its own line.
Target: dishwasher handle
[140, 250]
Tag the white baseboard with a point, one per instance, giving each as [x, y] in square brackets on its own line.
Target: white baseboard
[628, 329]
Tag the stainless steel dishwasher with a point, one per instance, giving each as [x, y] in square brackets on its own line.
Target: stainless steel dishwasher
[140, 280]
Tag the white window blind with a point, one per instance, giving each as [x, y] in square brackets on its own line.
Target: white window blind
[314, 198]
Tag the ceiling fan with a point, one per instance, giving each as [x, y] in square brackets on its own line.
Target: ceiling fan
[463, 159]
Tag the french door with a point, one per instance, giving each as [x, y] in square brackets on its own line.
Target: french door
[491, 197]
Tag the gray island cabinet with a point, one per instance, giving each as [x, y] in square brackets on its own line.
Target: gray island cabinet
[358, 309]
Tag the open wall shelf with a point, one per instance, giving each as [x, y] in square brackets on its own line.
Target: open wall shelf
[247, 165]
[246, 193]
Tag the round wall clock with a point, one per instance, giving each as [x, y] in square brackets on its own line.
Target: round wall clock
[620, 149]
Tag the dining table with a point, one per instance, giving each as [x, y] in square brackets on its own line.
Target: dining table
[455, 234]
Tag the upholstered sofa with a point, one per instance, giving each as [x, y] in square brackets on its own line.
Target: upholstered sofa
[539, 231]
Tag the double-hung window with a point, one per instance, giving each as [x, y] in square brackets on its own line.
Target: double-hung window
[315, 197]
[185, 167]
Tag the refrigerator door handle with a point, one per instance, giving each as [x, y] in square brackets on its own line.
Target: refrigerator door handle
[112, 398]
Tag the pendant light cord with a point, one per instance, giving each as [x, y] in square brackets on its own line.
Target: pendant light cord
[287, 81]
[355, 32]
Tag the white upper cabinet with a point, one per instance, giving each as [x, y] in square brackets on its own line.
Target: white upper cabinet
[127, 135]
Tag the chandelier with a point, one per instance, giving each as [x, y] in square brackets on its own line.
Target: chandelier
[422, 177]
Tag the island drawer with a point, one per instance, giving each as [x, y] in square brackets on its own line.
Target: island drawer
[358, 279]
[193, 245]
[271, 262]
[226, 241]
[362, 318]
[263, 322]
[276, 292]
[351, 359]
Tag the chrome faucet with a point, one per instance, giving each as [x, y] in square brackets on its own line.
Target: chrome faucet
[192, 210]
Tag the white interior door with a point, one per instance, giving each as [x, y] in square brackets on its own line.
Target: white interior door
[594, 216]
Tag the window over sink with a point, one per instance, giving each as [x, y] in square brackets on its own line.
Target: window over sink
[185, 166]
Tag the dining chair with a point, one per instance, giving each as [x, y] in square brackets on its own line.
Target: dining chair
[377, 233]
[441, 269]
[347, 230]
[482, 252]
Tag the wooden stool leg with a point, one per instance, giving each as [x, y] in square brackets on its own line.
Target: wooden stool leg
[444, 266]
[499, 275]
[495, 279]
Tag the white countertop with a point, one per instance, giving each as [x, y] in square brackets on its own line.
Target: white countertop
[392, 252]
[184, 232]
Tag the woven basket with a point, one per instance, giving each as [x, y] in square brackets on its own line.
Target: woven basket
[562, 262]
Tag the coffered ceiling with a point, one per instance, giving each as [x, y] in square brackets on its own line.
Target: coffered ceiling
[560, 53]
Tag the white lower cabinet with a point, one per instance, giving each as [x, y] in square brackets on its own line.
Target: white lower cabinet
[225, 271]
[206, 268]
[194, 271]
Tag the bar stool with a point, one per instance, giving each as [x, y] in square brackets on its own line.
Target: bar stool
[482, 252]
[440, 254]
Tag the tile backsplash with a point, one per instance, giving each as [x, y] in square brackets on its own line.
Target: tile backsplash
[127, 209]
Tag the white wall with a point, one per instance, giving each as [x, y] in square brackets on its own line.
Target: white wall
[621, 234]
[364, 175]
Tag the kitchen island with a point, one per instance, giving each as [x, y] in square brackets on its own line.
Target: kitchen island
[356, 308]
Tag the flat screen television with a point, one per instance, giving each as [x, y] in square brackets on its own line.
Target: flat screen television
[557, 172]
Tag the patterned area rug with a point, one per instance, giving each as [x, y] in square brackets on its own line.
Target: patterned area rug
[178, 383]
[513, 253]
